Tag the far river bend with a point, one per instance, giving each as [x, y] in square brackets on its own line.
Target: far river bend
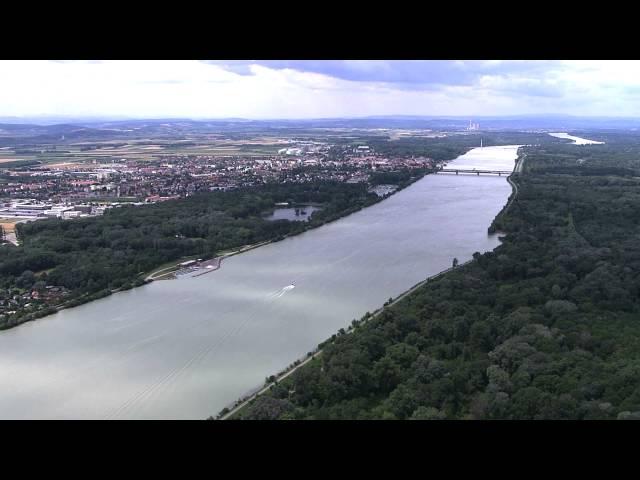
[184, 349]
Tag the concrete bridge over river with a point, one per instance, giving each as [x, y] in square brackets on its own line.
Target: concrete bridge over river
[458, 171]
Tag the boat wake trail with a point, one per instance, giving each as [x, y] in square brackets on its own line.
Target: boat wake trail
[282, 291]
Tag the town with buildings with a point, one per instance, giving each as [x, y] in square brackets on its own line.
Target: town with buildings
[72, 190]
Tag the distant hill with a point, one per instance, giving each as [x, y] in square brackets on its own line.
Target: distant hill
[101, 127]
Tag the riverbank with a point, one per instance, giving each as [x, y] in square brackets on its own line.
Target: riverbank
[215, 263]
[239, 405]
[496, 224]
[70, 303]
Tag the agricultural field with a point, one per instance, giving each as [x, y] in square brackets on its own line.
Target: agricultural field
[63, 154]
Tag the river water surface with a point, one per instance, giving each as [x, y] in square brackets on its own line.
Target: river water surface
[576, 140]
[184, 349]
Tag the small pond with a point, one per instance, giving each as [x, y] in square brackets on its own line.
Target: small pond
[297, 214]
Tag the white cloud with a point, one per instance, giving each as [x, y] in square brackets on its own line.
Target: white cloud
[305, 90]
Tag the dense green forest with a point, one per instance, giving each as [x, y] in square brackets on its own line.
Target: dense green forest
[547, 326]
[93, 256]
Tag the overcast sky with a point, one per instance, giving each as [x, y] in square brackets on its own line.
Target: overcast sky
[316, 89]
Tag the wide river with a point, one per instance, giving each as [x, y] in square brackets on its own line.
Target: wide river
[184, 349]
[576, 140]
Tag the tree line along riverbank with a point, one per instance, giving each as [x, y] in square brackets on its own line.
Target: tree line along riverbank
[544, 327]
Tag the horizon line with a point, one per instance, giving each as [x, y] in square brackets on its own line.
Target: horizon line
[117, 118]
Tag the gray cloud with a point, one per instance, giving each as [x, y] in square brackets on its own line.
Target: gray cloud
[404, 73]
